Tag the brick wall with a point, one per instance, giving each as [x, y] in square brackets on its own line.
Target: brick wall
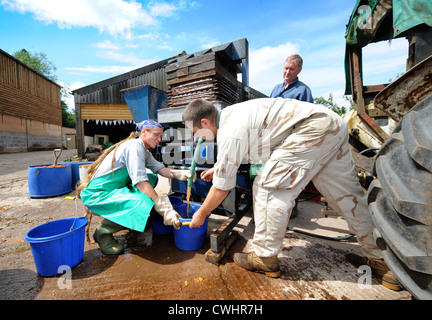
[19, 135]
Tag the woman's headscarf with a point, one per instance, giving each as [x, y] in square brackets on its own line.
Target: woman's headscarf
[146, 124]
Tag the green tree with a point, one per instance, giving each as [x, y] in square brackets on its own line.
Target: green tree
[329, 103]
[38, 62]
[68, 118]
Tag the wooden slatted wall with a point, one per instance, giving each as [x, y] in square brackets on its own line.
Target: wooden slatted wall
[25, 93]
[109, 111]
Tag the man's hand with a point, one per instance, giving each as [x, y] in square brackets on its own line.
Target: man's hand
[207, 175]
[213, 200]
[198, 220]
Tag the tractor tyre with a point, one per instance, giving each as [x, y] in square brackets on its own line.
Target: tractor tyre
[400, 200]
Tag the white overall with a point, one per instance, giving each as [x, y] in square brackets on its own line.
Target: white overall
[297, 142]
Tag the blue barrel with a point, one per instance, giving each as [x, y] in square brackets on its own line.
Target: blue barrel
[48, 181]
[158, 226]
[75, 170]
[56, 244]
[186, 238]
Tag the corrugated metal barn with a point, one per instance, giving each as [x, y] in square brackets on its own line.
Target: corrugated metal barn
[30, 109]
[102, 113]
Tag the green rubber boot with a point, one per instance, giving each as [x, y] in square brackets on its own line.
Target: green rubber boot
[103, 235]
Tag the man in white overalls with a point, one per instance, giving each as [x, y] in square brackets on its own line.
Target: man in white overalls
[297, 142]
[119, 188]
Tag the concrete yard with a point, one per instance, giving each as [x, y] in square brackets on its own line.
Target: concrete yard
[152, 268]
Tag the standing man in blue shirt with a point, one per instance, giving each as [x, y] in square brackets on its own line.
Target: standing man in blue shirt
[292, 87]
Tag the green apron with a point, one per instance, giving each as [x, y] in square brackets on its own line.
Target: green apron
[113, 197]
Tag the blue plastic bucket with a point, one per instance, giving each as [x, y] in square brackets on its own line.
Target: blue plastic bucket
[45, 181]
[53, 244]
[158, 226]
[186, 238]
[75, 171]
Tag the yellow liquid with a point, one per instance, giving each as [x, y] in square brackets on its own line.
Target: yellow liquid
[188, 194]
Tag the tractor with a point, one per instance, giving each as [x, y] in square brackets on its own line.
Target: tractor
[391, 136]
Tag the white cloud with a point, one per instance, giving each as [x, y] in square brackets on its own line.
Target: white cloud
[323, 71]
[76, 85]
[148, 36]
[103, 69]
[68, 98]
[394, 47]
[162, 9]
[107, 44]
[188, 4]
[111, 51]
[131, 59]
[117, 17]
[321, 78]
[209, 45]
[383, 61]
[165, 47]
[266, 65]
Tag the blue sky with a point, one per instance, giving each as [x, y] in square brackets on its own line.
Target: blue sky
[92, 40]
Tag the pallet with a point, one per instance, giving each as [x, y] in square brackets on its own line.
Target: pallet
[210, 76]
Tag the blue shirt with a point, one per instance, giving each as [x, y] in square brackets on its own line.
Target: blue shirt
[296, 90]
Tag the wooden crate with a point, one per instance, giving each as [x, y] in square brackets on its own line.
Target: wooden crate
[202, 66]
[211, 76]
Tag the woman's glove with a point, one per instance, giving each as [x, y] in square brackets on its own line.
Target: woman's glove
[182, 174]
[163, 206]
